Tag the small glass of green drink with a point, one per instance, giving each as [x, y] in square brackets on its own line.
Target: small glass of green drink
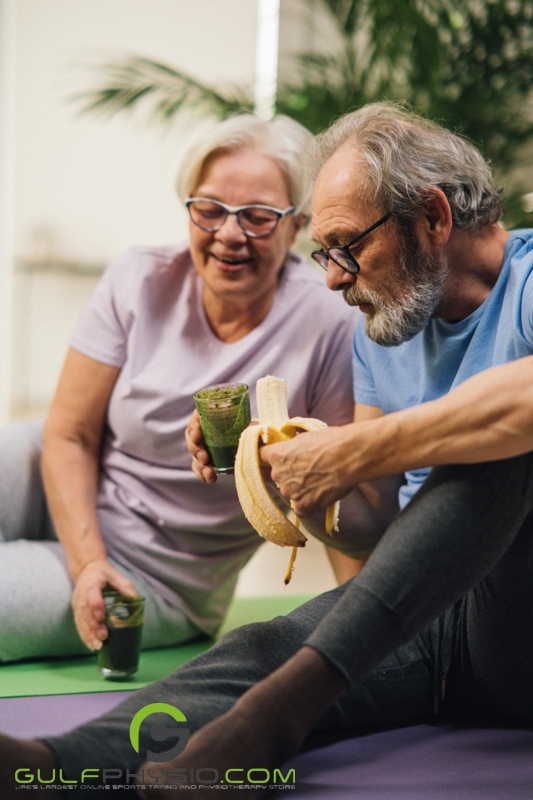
[118, 658]
[224, 412]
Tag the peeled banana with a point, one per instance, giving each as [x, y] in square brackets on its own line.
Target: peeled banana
[257, 504]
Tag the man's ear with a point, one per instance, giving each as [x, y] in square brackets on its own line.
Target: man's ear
[435, 218]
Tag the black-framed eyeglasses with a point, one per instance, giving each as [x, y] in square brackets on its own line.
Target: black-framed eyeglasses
[341, 255]
[256, 221]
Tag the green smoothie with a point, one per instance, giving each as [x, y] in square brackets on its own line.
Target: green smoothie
[118, 658]
[224, 412]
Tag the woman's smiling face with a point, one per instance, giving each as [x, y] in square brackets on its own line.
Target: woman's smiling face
[233, 266]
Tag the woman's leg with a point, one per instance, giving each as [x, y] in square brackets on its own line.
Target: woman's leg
[23, 511]
[36, 618]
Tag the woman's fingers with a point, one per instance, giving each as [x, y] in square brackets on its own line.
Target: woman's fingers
[195, 441]
[88, 603]
[90, 628]
[117, 581]
[200, 457]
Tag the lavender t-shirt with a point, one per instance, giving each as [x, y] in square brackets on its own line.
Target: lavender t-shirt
[187, 539]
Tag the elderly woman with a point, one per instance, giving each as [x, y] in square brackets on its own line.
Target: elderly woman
[231, 305]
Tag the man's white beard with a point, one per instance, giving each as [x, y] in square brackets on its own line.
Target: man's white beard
[421, 277]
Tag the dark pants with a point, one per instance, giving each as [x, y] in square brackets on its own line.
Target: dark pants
[447, 594]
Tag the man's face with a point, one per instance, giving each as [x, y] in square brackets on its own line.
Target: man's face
[400, 283]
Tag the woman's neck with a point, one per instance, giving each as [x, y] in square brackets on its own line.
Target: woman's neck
[231, 320]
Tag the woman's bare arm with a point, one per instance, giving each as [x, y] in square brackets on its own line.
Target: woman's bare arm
[71, 455]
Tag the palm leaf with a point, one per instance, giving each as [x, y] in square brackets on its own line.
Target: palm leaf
[124, 83]
[468, 63]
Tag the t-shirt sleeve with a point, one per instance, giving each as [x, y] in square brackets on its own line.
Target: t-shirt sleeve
[364, 387]
[102, 330]
[526, 310]
[332, 399]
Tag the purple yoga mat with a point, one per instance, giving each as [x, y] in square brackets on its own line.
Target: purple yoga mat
[423, 762]
[30, 717]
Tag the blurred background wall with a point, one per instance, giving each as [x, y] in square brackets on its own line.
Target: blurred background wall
[77, 189]
[83, 188]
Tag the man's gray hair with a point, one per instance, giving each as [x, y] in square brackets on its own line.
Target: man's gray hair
[405, 156]
[282, 138]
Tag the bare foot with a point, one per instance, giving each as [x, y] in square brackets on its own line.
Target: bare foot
[262, 731]
[20, 761]
[236, 748]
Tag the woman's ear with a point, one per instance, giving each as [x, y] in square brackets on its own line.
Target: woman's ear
[300, 221]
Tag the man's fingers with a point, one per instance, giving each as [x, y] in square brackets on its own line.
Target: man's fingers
[269, 452]
[263, 457]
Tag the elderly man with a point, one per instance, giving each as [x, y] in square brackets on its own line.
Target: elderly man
[441, 615]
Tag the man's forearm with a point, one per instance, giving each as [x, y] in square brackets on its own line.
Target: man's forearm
[488, 417]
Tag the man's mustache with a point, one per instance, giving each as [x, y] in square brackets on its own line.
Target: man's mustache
[355, 296]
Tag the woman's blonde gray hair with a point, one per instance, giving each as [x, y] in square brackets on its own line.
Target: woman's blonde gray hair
[406, 156]
[282, 138]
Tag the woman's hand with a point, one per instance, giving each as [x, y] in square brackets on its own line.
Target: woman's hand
[88, 603]
[200, 457]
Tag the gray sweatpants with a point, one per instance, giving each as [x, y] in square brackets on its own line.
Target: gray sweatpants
[446, 595]
[36, 618]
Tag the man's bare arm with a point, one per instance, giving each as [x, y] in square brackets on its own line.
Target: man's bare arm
[488, 417]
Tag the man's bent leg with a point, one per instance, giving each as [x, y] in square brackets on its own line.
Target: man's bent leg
[495, 644]
[449, 538]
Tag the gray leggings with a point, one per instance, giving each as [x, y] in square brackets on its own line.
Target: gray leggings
[446, 595]
[36, 618]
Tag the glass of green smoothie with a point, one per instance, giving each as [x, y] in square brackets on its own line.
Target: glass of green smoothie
[224, 411]
[118, 658]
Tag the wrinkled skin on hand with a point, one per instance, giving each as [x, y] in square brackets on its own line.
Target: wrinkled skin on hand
[88, 603]
[312, 470]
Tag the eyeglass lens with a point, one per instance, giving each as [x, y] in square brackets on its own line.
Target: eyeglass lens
[340, 258]
[346, 262]
[254, 220]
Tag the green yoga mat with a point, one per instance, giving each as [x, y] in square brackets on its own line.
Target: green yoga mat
[79, 675]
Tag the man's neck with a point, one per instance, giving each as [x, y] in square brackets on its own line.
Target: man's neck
[475, 262]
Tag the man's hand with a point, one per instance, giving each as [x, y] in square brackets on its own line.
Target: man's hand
[88, 603]
[200, 457]
[265, 727]
[312, 470]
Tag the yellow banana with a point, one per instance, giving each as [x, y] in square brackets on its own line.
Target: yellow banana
[257, 504]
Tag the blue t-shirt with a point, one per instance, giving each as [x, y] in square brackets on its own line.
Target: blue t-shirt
[445, 354]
